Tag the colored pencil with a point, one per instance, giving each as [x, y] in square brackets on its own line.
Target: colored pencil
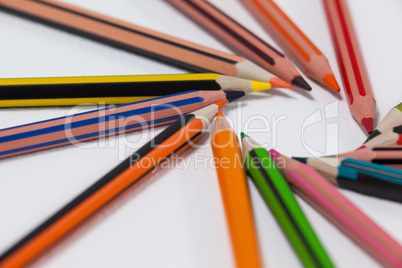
[235, 196]
[241, 40]
[350, 61]
[390, 137]
[104, 122]
[340, 211]
[278, 196]
[126, 176]
[138, 39]
[360, 176]
[390, 156]
[392, 119]
[291, 39]
[64, 91]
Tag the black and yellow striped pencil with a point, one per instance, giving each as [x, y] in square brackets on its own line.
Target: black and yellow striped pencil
[90, 90]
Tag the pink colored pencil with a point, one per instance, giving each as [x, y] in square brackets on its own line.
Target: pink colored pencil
[340, 211]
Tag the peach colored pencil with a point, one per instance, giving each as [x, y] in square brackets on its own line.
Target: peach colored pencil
[239, 39]
[138, 39]
[309, 58]
[354, 75]
[340, 211]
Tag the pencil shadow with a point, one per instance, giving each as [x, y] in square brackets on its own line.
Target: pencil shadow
[280, 92]
[304, 93]
[112, 208]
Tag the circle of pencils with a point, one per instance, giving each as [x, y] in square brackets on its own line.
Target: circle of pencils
[128, 175]
[189, 102]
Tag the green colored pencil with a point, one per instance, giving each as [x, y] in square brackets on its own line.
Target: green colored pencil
[280, 199]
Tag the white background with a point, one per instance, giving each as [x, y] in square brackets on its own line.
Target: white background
[176, 218]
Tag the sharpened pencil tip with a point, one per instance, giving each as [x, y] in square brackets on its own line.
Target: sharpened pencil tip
[243, 135]
[300, 82]
[219, 115]
[368, 124]
[330, 81]
[376, 132]
[301, 159]
[279, 83]
[260, 86]
[221, 104]
[234, 95]
[273, 153]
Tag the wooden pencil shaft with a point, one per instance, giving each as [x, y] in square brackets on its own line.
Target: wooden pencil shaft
[104, 122]
[235, 195]
[350, 60]
[65, 91]
[373, 186]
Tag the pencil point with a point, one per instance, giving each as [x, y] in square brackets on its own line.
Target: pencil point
[221, 104]
[243, 135]
[219, 115]
[300, 82]
[376, 132]
[368, 124]
[234, 95]
[301, 159]
[260, 86]
[274, 153]
[330, 81]
[279, 83]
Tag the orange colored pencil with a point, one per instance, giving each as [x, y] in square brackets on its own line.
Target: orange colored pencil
[240, 39]
[296, 44]
[354, 75]
[236, 199]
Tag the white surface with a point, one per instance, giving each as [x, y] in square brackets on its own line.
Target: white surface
[176, 219]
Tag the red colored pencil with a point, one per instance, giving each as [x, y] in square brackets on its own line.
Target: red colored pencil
[350, 60]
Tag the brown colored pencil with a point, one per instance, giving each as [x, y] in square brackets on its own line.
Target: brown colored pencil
[240, 39]
[308, 57]
[138, 39]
